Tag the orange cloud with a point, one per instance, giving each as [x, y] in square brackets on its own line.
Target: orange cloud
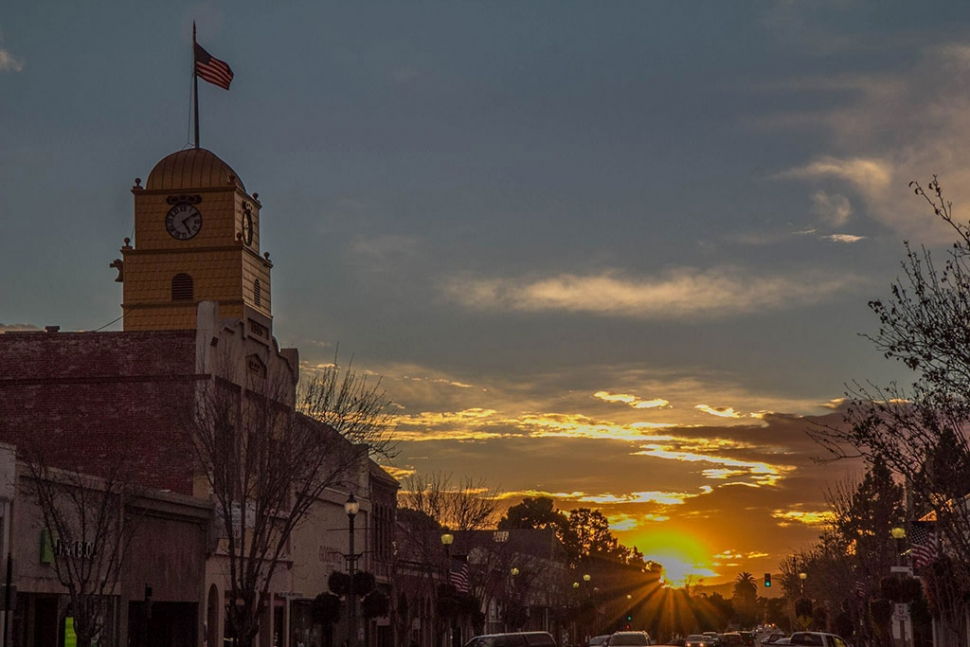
[631, 400]
[721, 412]
[808, 518]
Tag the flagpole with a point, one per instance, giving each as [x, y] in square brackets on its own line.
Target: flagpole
[195, 87]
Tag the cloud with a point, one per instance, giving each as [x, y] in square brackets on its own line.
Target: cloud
[662, 498]
[871, 176]
[844, 238]
[833, 209]
[762, 473]
[631, 400]
[721, 412]
[625, 522]
[399, 473]
[883, 130]
[808, 518]
[10, 63]
[719, 292]
[388, 252]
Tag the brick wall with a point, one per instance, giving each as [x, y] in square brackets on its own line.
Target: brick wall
[91, 401]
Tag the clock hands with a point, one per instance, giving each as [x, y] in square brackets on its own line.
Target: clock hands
[182, 223]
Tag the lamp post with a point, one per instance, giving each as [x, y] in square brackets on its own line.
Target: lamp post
[447, 539]
[898, 533]
[512, 610]
[351, 507]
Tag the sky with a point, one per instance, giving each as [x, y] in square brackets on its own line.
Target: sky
[618, 254]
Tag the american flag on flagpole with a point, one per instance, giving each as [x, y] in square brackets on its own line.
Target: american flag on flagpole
[923, 543]
[211, 69]
[459, 574]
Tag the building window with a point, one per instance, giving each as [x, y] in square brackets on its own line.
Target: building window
[257, 293]
[182, 288]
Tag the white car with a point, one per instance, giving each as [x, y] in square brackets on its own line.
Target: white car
[816, 639]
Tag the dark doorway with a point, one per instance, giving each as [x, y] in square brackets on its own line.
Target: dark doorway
[172, 624]
[47, 622]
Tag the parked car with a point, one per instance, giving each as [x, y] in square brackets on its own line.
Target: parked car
[716, 637]
[817, 639]
[598, 641]
[748, 638]
[773, 638]
[732, 639]
[519, 639]
[698, 640]
[629, 638]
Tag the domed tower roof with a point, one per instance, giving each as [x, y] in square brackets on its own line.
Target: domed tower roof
[195, 168]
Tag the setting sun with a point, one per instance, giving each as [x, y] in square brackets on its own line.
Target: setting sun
[683, 557]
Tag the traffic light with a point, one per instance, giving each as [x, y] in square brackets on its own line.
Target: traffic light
[767, 580]
[629, 620]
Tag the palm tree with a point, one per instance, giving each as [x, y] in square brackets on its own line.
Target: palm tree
[744, 585]
[745, 601]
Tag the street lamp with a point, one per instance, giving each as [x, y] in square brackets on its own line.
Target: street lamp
[352, 507]
[899, 534]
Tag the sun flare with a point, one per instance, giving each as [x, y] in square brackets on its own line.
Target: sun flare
[683, 557]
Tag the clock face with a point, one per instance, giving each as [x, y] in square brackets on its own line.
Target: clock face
[183, 221]
[247, 227]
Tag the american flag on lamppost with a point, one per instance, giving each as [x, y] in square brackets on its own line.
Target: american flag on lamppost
[458, 575]
[923, 543]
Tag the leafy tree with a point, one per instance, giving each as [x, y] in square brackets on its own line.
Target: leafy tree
[589, 535]
[535, 513]
[864, 518]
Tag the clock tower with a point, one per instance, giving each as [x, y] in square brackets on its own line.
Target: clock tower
[196, 239]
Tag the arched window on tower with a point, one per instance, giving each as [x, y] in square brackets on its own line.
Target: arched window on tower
[257, 293]
[182, 289]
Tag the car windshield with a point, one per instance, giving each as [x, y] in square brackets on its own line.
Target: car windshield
[696, 638]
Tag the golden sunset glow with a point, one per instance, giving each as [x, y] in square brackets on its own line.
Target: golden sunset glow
[631, 400]
[720, 412]
[807, 517]
[684, 557]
